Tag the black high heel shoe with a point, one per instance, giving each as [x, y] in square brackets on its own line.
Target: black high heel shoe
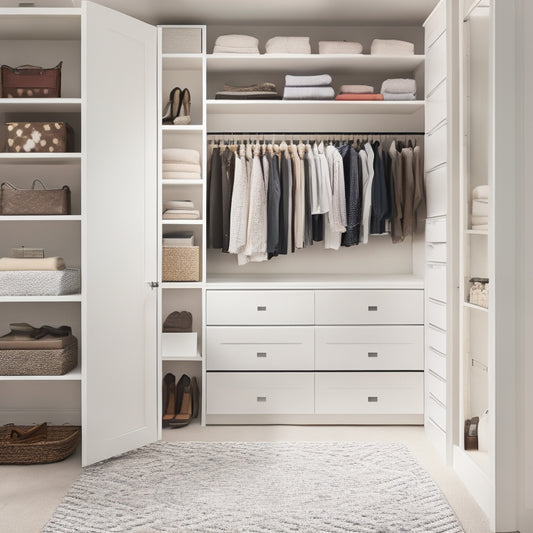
[173, 106]
[186, 101]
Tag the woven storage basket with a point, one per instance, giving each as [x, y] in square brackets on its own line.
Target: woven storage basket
[479, 292]
[59, 444]
[44, 362]
[181, 263]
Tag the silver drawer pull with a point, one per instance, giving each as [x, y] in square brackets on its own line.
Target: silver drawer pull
[261, 354]
[261, 398]
[372, 398]
[261, 307]
[372, 307]
[372, 354]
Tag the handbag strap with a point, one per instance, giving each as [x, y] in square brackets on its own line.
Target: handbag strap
[37, 180]
[6, 184]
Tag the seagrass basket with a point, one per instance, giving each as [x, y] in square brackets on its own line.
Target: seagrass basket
[181, 263]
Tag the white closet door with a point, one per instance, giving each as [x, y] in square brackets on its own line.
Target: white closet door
[120, 379]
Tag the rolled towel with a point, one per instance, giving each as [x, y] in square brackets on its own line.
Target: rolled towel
[357, 89]
[288, 45]
[479, 220]
[339, 47]
[359, 97]
[480, 208]
[181, 167]
[392, 47]
[178, 204]
[308, 93]
[482, 191]
[320, 80]
[259, 87]
[167, 175]
[181, 155]
[399, 86]
[237, 41]
[234, 50]
[46, 263]
[398, 96]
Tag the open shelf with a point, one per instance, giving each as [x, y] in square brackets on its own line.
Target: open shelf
[182, 182]
[182, 61]
[73, 375]
[476, 307]
[40, 157]
[181, 285]
[477, 232]
[40, 105]
[37, 299]
[186, 222]
[35, 23]
[197, 358]
[184, 127]
[40, 218]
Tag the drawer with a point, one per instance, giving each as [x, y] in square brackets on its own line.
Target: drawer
[436, 230]
[361, 307]
[436, 339]
[436, 252]
[436, 106]
[369, 348]
[437, 387]
[232, 393]
[260, 308]
[260, 348]
[436, 281]
[437, 192]
[436, 413]
[436, 314]
[436, 152]
[436, 64]
[391, 393]
[436, 362]
[435, 24]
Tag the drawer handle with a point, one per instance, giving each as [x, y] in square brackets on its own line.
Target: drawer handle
[372, 398]
[261, 354]
[372, 307]
[261, 398]
[372, 354]
[261, 307]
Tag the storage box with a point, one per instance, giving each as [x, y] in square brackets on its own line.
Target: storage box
[28, 81]
[179, 345]
[479, 292]
[181, 263]
[35, 201]
[182, 40]
[22, 137]
[27, 253]
[40, 283]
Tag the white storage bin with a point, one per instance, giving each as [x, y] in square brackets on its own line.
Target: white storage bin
[179, 345]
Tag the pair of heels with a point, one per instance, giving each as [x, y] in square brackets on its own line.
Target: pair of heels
[180, 400]
[177, 100]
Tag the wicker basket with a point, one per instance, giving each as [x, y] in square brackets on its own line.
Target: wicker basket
[59, 444]
[479, 292]
[181, 263]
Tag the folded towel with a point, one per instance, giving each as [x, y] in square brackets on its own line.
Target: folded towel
[181, 155]
[168, 175]
[253, 95]
[399, 86]
[237, 41]
[234, 50]
[308, 93]
[359, 97]
[398, 96]
[480, 226]
[181, 167]
[179, 214]
[339, 47]
[482, 191]
[17, 341]
[288, 45]
[46, 263]
[178, 204]
[480, 208]
[479, 220]
[320, 80]
[392, 47]
[357, 89]
[259, 87]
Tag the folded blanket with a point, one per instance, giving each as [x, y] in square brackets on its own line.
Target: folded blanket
[392, 47]
[17, 341]
[181, 155]
[480, 208]
[359, 97]
[178, 204]
[235, 50]
[181, 167]
[482, 191]
[320, 80]
[46, 263]
[168, 175]
[398, 96]
[339, 47]
[288, 45]
[479, 220]
[480, 226]
[222, 95]
[308, 93]
[237, 41]
[259, 87]
[399, 86]
[180, 214]
[356, 89]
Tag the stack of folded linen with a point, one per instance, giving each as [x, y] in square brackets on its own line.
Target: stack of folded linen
[42, 264]
[358, 92]
[236, 44]
[339, 47]
[180, 210]
[399, 89]
[177, 239]
[391, 47]
[181, 164]
[258, 91]
[288, 45]
[308, 87]
[480, 208]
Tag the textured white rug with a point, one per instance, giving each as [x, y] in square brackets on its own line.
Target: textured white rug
[257, 487]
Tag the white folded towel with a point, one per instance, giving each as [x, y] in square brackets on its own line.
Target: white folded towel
[398, 96]
[235, 50]
[167, 175]
[308, 93]
[392, 47]
[181, 155]
[181, 167]
[288, 45]
[482, 191]
[320, 80]
[479, 220]
[357, 89]
[480, 208]
[237, 41]
[180, 214]
[339, 47]
[41, 263]
[178, 204]
[399, 86]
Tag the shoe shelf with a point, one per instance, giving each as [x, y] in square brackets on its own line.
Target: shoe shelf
[40, 105]
[178, 359]
[73, 375]
[38, 299]
[39, 218]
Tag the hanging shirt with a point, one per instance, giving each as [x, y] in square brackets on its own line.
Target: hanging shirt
[335, 223]
[380, 199]
[240, 200]
[285, 209]
[397, 180]
[408, 192]
[298, 178]
[352, 190]
[228, 172]
[323, 179]
[273, 207]
[419, 206]
[308, 233]
[368, 177]
[214, 201]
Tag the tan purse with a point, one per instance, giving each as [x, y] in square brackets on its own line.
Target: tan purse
[34, 201]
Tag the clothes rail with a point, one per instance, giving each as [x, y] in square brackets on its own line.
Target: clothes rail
[259, 133]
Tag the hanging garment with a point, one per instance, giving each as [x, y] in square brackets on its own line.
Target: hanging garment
[352, 189]
[397, 181]
[323, 178]
[298, 179]
[240, 200]
[380, 200]
[265, 161]
[408, 192]
[308, 233]
[273, 207]
[214, 202]
[228, 172]
[313, 179]
[367, 156]
[335, 223]
[419, 206]
[285, 210]
[387, 166]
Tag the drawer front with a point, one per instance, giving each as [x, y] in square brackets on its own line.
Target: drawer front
[437, 192]
[436, 107]
[436, 252]
[435, 63]
[361, 307]
[232, 393]
[391, 393]
[369, 348]
[437, 387]
[436, 339]
[436, 281]
[436, 314]
[435, 24]
[436, 363]
[436, 148]
[260, 348]
[260, 308]
[436, 229]
[437, 413]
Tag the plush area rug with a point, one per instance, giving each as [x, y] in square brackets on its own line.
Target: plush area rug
[257, 487]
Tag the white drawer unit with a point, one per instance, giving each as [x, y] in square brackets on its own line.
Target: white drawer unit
[436, 252]
[436, 314]
[435, 24]
[349, 307]
[260, 393]
[436, 107]
[436, 229]
[436, 339]
[369, 393]
[436, 63]
[437, 413]
[260, 348]
[436, 281]
[260, 308]
[437, 387]
[369, 348]
[436, 152]
[436, 362]
[437, 191]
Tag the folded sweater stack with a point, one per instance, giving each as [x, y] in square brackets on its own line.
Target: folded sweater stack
[399, 89]
[288, 45]
[480, 208]
[181, 164]
[258, 91]
[308, 87]
[236, 44]
[357, 93]
[339, 47]
[391, 47]
[34, 264]
[180, 210]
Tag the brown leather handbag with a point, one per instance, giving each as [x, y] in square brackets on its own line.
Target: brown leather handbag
[28, 81]
[34, 201]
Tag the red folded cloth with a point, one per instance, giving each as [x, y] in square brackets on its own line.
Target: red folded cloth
[359, 97]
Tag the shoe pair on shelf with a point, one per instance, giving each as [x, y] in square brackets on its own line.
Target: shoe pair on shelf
[178, 101]
[180, 400]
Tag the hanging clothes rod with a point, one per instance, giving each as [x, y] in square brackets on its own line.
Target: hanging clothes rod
[259, 133]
